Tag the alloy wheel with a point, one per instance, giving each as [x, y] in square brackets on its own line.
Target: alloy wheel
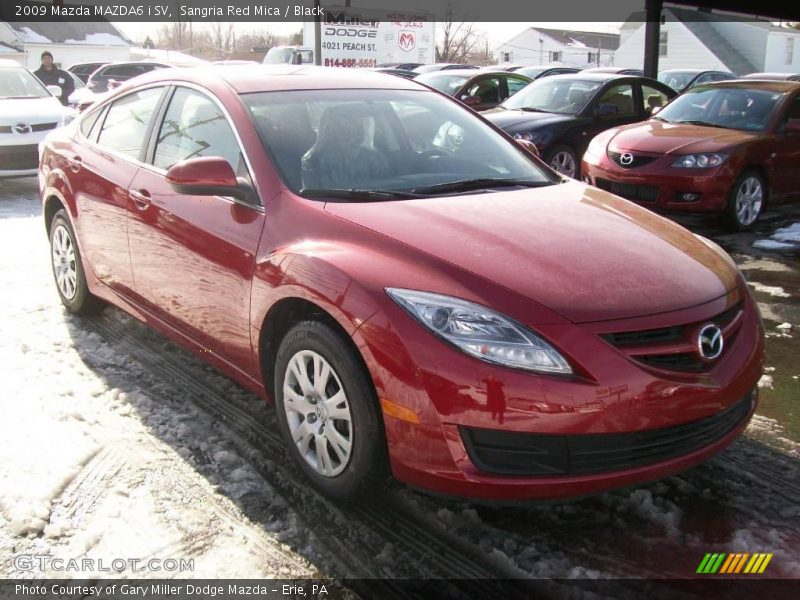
[318, 413]
[749, 199]
[564, 163]
[64, 265]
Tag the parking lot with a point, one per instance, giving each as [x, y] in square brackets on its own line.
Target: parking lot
[114, 423]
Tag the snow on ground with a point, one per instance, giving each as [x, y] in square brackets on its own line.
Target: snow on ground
[785, 238]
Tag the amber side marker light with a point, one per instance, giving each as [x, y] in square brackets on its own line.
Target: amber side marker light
[399, 412]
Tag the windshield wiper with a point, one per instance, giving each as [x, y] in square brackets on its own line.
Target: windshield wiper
[465, 185]
[701, 123]
[358, 194]
[531, 109]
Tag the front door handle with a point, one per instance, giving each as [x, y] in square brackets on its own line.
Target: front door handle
[141, 199]
[75, 164]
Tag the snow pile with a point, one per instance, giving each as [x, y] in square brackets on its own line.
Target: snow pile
[28, 35]
[768, 289]
[100, 39]
[786, 238]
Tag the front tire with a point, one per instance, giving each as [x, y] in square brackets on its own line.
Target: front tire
[68, 273]
[328, 412]
[564, 160]
[746, 202]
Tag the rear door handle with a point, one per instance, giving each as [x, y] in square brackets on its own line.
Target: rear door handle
[141, 198]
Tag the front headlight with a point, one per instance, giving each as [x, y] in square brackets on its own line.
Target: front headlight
[527, 135]
[481, 332]
[596, 148]
[700, 161]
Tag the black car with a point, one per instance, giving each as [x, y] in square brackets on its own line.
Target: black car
[405, 73]
[441, 67]
[772, 76]
[409, 66]
[107, 77]
[480, 90]
[84, 70]
[562, 113]
[545, 71]
[681, 80]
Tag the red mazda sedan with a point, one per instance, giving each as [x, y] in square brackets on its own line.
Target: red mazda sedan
[419, 296]
[725, 148]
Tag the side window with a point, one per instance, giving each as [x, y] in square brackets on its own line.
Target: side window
[487, 89]
[653, 98]
[793, 112]
[125, 125]
[620, 97]
[515, 85]
[88, 122]
[194, 126]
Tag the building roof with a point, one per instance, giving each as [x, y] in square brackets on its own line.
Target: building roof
[101, 33]
[6, 49]
[587, 39]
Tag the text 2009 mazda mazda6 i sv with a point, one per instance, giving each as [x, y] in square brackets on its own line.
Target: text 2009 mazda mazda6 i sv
[420, 297]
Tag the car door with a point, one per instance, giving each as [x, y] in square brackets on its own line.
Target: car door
[103, 161]
[612, 106]
[786, 165]
[193, 257]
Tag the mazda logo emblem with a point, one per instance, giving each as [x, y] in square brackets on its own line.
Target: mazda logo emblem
[22, 128]
[709, 341]
[626, 158]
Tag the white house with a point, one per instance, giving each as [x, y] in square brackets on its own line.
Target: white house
[692, 39]
[543, 46]
[69, 42]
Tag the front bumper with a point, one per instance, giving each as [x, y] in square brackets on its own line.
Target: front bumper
[21, 158]
[621, 405]
[659, 186]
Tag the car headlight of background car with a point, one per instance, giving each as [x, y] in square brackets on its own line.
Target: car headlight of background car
[537, 137]
[481, 332]
[700, 161]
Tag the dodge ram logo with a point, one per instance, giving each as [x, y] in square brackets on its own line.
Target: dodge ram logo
[709, 342]
[407, 41]
[22, 128]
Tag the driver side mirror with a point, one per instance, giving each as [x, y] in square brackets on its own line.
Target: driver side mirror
[471, 101]
[792, 126]
[529, 147]
[55, 90]
[207, 176]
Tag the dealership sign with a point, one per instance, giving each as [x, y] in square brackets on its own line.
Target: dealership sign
[354, 37]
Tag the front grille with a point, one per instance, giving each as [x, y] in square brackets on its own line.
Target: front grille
[638, 160]
[639, 193]
[19, 158]
[672, 348]
[526, 454]
[36, 127]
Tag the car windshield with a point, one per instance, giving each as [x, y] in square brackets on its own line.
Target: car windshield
[677, 80]
[449, 84]
[549, 94]
[531, 72]
[383, 144]
[728, 107]
[19, 83]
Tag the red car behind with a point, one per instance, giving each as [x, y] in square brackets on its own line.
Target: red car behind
[419, 296]
[724, 148]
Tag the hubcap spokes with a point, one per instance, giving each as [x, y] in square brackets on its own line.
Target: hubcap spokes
[749, 199]
[564, 164]
[64, 266]
[318, 413]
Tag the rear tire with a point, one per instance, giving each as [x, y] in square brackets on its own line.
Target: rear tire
[68, 273]
[746, 202]
[328, 413]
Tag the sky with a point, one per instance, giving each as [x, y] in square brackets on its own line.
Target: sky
[496, 33]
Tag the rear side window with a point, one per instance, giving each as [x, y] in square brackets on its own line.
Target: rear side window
[515, 84]
[89, 121]
[194, 126]
[126, 122]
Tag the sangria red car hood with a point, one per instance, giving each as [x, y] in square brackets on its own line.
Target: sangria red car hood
[668, 138]
[579, 251]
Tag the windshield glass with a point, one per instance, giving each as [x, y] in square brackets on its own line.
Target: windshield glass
[531, 72]
[732, 108]
[449, 84]
[677, 80]
[554, 95]
[383, 140]
[19, 83]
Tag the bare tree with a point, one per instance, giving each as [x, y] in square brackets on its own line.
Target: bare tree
[223, 39]
[175, 36]
[458, 41]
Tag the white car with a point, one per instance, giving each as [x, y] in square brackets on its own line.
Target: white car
[28, 112]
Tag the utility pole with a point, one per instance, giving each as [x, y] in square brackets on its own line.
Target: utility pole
[317, 35]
